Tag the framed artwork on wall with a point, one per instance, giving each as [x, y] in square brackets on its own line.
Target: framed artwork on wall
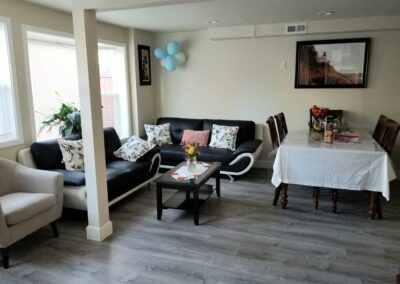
[144, 65]
[338, 63]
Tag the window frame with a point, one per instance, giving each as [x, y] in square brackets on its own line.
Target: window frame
[50, 32]
[19, 139]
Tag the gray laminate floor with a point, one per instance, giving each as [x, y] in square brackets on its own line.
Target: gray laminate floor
[241, 239]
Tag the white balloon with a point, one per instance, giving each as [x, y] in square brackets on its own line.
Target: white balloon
[163, 61]
[180, 58]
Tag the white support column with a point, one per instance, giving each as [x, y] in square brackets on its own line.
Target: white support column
[85, 33]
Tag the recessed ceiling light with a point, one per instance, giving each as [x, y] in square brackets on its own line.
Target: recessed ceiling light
[212, 22]
[326, 13]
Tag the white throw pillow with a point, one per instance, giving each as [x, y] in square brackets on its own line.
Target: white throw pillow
[158, 134]
[72, 152]
[133, 149]
[224, 137]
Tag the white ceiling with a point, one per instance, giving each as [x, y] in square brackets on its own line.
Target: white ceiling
[194, 16]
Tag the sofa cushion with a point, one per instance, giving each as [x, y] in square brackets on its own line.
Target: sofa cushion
[21, 206]
[127, 166]
[209, 154]
[72, 152]
[72, 177]
[47, 154]
[247, 129]
[178, 125]
[111, 143]
[195, 136]
[172, 152]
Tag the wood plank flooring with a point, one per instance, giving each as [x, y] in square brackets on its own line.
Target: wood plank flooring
[242, 238]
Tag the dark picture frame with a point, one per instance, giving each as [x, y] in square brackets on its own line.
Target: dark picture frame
[144, 65]
[337, 63]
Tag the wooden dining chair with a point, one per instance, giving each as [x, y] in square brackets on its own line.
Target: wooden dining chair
[275, 144]
[281, 125]
[391, 131]
[380, 128]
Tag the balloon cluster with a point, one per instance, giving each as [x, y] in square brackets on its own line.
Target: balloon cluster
[171, 56]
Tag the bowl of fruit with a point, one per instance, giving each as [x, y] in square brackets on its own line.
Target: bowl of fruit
[318, 113]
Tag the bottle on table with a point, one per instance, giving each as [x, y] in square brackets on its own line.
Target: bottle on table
[328, 133]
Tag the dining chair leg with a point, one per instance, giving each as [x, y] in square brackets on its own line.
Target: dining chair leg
[315, 195]
[276, 196]
[54, 229]
[378, 206]
[284, 195]
[334, 196]
[5, 255]
[372, 205]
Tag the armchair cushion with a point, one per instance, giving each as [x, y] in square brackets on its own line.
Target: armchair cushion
[249, 146]
[20, 206]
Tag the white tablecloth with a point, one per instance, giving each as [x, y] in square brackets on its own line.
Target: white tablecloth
[303, 158]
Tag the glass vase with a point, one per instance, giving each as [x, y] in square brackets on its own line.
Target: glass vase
[191, 164]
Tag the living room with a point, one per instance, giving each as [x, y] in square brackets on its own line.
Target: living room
[240, 65]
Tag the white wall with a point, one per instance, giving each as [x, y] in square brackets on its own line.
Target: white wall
[242, 79]
[23, 13]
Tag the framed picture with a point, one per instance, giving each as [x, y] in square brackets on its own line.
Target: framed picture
[339, 63]
[144, 65]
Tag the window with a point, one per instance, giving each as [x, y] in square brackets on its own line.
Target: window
[54, 80]
[9, 127]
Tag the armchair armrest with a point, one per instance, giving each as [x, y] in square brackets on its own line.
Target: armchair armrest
[4, 234]
[249, 146]
[39, 181]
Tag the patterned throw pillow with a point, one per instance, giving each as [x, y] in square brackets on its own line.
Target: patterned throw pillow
[72, 152]
[133, 149]
[224, 137]
[158, 134]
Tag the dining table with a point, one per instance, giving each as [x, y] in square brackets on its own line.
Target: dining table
[303, 158]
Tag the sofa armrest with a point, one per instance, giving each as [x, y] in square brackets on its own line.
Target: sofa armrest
[249, 146]
[39, 181]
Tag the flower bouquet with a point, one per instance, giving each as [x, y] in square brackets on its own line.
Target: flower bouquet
[319, 114]
[192, 152]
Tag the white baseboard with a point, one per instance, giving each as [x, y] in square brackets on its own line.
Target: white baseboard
[263, 164]
[99, 233]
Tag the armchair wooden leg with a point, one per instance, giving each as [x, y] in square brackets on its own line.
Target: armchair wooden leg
[54, 229]
[315, 195]
[6, 262]
[334, 197]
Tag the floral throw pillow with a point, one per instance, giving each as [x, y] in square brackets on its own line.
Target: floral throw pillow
[224, 137]
[72, 152]
[158, 134]
[133, 149]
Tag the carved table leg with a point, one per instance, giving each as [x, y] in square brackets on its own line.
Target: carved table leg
[372, 205]
[284, 196]
[378, 205]
[315, 195]
[334, 200]
[276, 196]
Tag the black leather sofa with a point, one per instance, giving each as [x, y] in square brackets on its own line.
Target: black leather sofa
[234, 163]
[123, 177]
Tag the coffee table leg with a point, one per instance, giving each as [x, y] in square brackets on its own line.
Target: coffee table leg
[159, 202]
[284, 195]
[196, 206]
[218, 184]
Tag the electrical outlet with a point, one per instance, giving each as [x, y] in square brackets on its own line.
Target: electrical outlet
[283, 65]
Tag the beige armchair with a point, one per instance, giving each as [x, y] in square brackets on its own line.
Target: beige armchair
[29, 200]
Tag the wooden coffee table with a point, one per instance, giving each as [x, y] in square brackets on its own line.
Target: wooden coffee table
[191, 193]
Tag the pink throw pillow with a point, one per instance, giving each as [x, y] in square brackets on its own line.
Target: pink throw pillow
[192, 136]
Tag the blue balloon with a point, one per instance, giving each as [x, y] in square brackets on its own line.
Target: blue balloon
[173, 48]
[160, 53]
[170, 63]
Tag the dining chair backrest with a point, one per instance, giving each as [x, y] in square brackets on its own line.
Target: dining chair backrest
[273, 133]
[380, 128]
[390, 135]
[281, 125]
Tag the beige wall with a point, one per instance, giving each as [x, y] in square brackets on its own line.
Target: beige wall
[242, 79]
[23, 13]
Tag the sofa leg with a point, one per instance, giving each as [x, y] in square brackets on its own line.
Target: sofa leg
[6, 261]
[231, 178]
[54, 229]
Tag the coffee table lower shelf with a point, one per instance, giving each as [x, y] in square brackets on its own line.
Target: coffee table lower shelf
[179, 201]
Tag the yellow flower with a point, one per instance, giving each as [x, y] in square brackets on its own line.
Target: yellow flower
[191, 150]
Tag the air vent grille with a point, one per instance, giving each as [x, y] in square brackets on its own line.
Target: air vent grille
[297, 28]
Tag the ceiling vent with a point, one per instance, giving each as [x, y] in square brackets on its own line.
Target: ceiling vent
[298, 28]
